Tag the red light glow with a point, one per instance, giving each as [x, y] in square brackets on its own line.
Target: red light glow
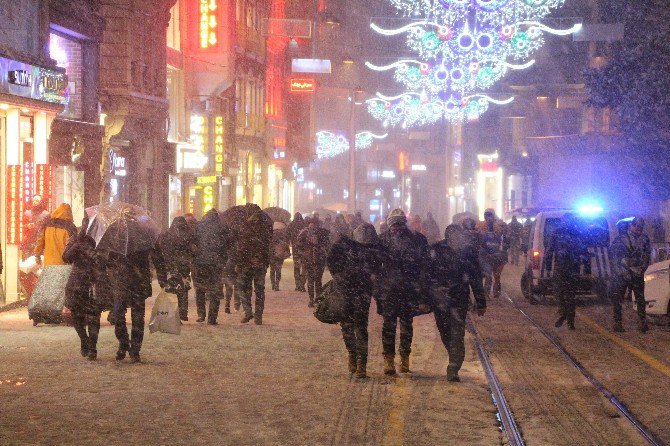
[208, 24]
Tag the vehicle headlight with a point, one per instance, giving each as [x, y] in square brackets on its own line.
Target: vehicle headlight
[656, 275]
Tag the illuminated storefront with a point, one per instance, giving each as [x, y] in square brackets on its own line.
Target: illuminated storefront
[30, 98]
[490, 191]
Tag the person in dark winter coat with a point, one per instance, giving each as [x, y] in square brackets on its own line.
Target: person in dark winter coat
[279, 251]
[514, 234]
[253, 259]
[179, 246]
[299, 272]
[213, 239]
[340, 229]
[356, 221]
[313, 244]
[79, 296]
[630, 255]
[430, 229]
[400, 294]
[566, 253]
[230, 278]
[130, 277]
[453, 271]
[493, 252]
[355, 265]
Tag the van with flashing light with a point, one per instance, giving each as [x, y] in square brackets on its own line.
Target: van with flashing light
[597, 229]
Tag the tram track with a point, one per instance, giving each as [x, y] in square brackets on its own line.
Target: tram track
[641, 428]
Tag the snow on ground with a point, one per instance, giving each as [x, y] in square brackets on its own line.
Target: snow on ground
[283, 383]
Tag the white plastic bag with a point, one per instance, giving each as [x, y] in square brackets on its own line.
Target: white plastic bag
[165, 314]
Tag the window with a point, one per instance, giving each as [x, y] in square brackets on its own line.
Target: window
[173, 31]
[67, 52]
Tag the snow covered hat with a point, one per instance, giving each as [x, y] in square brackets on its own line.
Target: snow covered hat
[278, 226]
[366, 234]
[396, 217]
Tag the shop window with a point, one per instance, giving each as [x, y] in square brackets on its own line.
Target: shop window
[173, 31]
[67, 52]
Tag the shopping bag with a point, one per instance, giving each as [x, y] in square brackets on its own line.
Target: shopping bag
[332, 306]
[48, 297]
[165, 314]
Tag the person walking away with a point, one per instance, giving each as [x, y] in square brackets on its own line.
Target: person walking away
[279, 251]
[631, 254]
[54, 236]
[355, 264]
[213, 239]
[356, 221]
[253, 259]
[79, 296]
[514, 231]
[328, 223]
[340, 229]
[431, 230]
[179, 247]
[230, 278]
[452, 272]
[130, 277]
[415, 224]
[493, 254]
[401, 282]
[566, 253]
[525, 237]
[313, 246]
[299, 273]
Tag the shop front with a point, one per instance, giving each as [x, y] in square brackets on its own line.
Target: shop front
[31, 97]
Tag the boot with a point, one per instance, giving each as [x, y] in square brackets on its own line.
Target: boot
[452, 374]
[559, 322]
[247, 317]
[135, 358]
[92, 355]
[571, 324]
[84, 348]
[258, 319]
[361, 366]
[389, 365]
[642, 326]
[121, 353]
[618, 327]
[352, 363]
[404, 364]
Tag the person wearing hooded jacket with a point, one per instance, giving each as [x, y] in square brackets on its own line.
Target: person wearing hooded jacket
[494, 248]
[79, 296]
[453, 271]
[179, 246]
[213, 240]
[55, 233]
[299, 273]
[252, 262]
[399, 296]
[355, 265]
[279, 251]
[313, 243]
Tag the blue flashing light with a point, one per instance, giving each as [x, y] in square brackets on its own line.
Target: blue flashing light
[590, 210]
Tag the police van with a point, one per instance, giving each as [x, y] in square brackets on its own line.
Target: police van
[597, 230]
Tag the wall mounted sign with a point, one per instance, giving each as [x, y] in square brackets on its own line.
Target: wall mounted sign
[208, 24]
[14, 205]
[20, 77]
[30, 81]
[302, 85]
[218, 144]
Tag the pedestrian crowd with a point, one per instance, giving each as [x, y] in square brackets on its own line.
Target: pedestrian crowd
[407, 268]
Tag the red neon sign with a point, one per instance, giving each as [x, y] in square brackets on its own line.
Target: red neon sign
[44, 183]
[14, 205]
[303, 85]
[207, 24]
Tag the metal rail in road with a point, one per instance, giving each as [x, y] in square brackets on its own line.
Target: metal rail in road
[641, 428]
[510, 428]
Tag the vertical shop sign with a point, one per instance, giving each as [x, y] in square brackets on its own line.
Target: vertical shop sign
[44, 183]
[208, 26]
[218, 144]
[199, 132]
[14, 205]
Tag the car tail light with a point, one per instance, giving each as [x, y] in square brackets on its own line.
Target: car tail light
[535, 261]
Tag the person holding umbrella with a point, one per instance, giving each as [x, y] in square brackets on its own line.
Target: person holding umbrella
[128, 239]
[179, 246]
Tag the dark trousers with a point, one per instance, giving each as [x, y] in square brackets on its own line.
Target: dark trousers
[618, 293]
[355, 332]
[248, 280]
[492, 281]
[275, 274]
[229, 289]
[394, 309]
[315, 280]
[137, 308]
[565, 290]
[208, 282]
[299, 274]
[82, 322]
[450, 323]
[182, 300]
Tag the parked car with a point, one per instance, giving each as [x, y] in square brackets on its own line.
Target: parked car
[597, 229]
[657, 282]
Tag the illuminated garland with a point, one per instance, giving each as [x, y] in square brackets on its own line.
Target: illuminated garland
[329, 144]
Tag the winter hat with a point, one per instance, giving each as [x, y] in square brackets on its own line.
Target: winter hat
[276, 226]
[396, 217]
[365, 234]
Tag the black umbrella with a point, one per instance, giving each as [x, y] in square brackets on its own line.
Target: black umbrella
[122, 228]
[278, 214]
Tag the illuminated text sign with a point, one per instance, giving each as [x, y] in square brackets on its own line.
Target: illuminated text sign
[302, 85]
[218, 144]
[208, 24]
[14, 205]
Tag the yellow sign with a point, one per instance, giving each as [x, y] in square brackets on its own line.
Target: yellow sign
[207, 198]
[207, 180]
[199, 132]
[218, 144]
[208, 25]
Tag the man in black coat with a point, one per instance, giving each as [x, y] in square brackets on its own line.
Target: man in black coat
[565, 254]
[401, 288]
[453, 271]
[213, 239]
[313, 243]
[299, 273]
[355, 264]
[179, 245]
[130, 277]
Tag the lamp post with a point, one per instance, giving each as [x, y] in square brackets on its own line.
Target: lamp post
[352, 149]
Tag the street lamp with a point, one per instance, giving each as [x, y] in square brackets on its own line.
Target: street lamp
[352, 148]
